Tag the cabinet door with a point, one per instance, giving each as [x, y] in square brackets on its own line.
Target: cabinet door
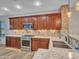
[8, 42]
[50, 23]
[43, 19]
[44, 43]
[15, 42]
[18, 42]
[57, 21]
[11, 23]
[14, 23]
[40, 23]
[20, 23]
[35, 18]
[35, 44]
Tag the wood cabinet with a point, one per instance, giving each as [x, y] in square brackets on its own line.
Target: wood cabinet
[40, 43]
[56, 22]
[35, 25]
[47, 21]
[13, 42]
[35, 44]
[16, 23]
[44, 43]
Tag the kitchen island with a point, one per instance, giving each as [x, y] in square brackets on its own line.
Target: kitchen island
[56, 53]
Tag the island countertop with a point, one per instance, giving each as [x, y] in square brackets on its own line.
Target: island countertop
[56, 53]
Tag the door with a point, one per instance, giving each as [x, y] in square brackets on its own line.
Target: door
[13, 42]
[44, 43]
[35, 44]
[8, 42]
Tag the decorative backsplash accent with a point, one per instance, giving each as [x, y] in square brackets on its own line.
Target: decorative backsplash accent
[65, 20]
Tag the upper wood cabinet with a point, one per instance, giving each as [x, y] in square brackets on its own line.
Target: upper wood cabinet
[35, 25]
[57, 21]
[47, 21]
[16, 23]
[42, 21]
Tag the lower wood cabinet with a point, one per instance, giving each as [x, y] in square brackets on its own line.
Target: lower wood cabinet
[40, 43]
[13, 42]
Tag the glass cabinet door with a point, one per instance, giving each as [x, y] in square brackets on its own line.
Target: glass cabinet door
[1, 28]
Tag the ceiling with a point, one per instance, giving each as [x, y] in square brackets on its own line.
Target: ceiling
[29, 7]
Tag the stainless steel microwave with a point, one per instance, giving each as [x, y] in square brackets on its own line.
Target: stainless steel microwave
[28, 26]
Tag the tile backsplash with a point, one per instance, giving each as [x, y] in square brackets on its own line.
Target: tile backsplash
[35, 32]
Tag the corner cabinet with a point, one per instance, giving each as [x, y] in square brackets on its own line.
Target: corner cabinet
[40, 43]
[13, 42]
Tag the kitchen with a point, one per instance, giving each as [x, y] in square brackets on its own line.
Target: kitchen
[35, 27]
[38, 28]
[45, 30]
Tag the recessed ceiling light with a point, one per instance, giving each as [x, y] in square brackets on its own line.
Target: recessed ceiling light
[37, 3]
[5, 9]
[18, 7]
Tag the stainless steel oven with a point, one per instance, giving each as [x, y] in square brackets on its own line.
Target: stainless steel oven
[26, 41]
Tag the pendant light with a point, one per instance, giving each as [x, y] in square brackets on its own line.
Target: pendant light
[77, 6]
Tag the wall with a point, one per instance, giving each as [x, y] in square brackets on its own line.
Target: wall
[74, 22]
[70, 25]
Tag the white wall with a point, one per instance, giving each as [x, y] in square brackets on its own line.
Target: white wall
[74, 22]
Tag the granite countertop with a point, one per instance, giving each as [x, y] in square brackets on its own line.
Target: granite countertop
[40, 54]
[61, 53]
[33, 36]
[41, 37]
[56, 53]
[15, 35]
[74, 36]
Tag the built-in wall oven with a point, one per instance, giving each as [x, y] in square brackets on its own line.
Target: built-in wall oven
[26, 41]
